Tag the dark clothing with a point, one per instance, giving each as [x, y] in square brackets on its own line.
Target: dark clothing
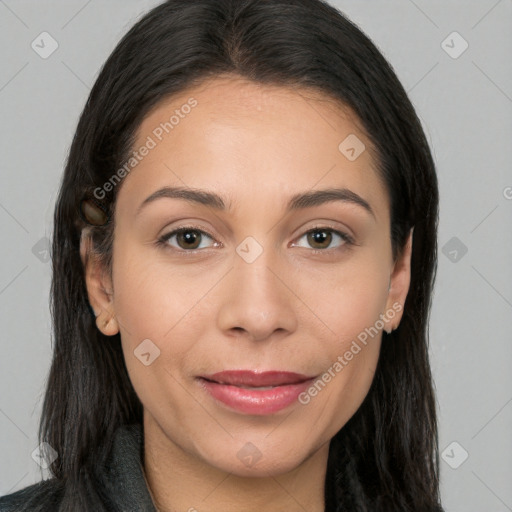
[120, 481]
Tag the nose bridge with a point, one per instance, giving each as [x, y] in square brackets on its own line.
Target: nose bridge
[256, 268]
[255, 297]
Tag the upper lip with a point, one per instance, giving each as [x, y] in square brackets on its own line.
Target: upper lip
[254, 378]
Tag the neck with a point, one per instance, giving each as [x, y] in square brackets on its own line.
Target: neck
[178, 480]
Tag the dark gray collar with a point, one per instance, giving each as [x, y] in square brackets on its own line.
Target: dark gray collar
[122, 476]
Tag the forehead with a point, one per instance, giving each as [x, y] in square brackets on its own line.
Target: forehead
[240, 138]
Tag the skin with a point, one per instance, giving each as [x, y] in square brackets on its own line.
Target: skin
[289, 309]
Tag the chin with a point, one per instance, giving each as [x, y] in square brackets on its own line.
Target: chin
[258, 459]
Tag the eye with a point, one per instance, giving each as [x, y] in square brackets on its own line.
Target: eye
[187, 238]
[190, 239]
[319, 238]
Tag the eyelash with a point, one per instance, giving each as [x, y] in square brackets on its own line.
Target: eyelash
[164, 239]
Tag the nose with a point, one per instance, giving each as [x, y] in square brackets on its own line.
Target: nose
[257, 300]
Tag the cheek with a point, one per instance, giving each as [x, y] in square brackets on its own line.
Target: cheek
[152, 298]
[349, 297]
[349, 301]
[156, 336]
[160, 303]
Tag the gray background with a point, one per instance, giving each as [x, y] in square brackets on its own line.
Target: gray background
[465, 104]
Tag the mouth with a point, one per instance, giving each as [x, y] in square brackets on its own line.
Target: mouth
[253, 379]
[253, 392]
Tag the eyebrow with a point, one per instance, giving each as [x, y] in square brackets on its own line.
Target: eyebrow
[298, 201]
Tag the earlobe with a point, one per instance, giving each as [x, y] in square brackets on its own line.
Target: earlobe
[400, 280]
[108, 326]
[99, 286]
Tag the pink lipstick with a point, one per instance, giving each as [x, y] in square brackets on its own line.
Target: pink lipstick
[252, 392]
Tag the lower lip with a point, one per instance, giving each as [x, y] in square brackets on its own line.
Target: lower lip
[254, 401]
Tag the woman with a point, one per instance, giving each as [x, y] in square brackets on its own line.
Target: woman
[243, 259]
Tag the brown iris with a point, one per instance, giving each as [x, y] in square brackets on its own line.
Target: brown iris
[319, 236]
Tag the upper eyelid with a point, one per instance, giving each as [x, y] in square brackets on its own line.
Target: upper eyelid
[187, 228]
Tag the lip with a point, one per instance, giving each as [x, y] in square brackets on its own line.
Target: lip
[237, 389]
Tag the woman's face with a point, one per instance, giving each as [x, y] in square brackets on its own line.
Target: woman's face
[249, 285]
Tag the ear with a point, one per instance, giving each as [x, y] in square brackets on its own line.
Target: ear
[400, 281]
[99, 286]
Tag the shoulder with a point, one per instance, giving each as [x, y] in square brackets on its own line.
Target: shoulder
[41, 497]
